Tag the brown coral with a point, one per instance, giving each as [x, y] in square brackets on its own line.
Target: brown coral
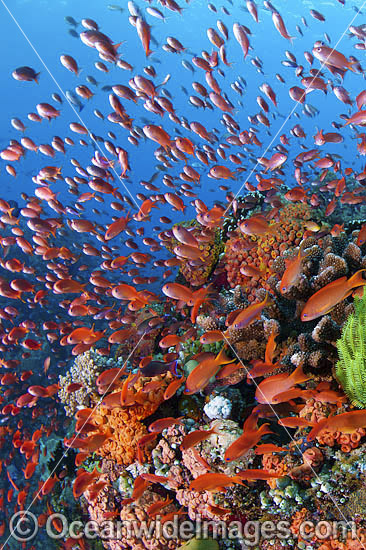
[205, 322]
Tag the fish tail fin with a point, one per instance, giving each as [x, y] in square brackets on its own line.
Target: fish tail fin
[316, 429]
[36, 77]
[239, 481]
[222, 358]
[215, 429]
[173, 367]
[264, 429]
[350, 66]
[356, 279]
[268, 300]
[298, 376]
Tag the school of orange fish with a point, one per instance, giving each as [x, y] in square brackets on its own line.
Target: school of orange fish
[97, 301]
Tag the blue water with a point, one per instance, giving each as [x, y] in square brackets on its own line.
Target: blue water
[47, 31]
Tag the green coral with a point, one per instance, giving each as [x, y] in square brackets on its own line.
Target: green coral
[350, 370]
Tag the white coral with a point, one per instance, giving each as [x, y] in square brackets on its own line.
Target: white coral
[218, 407]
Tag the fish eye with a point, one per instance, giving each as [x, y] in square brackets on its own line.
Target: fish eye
[304, 314]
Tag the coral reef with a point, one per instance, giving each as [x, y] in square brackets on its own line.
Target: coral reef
[125, 422]
[85, 370]
[249, 261]
[299, 480]
[196, 274]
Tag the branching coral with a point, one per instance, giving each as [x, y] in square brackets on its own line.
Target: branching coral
[84, 370]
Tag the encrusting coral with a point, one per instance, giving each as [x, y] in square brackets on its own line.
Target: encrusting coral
[126, 421]
[301, 479]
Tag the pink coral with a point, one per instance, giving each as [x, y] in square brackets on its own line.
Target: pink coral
[200, 505]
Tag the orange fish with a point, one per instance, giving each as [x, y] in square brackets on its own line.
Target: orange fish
[117, 227]
[211, 336]
[248, 315]
[177, 292]
[269, 388]
[361, 238]
[155, 508]
[325, 299]
[330, 56]
[173, 387]
[295, 422]
[83, 480]
[245, 442]
[296, 194]
[292, 271]
[158, 134]
[213, 482]
[143, 31]
[346, 423]
[200, 376]
[269, 448]
[195, 437]
[162, 423]
[254, 474]
[280, 26]
[257, 226]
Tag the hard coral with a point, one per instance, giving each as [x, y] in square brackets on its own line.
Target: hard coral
[135, 515]
[266, 249]
[197, 274]
[275, 465]
[347, 441]
[85, 369]
[127, 430]
[312, 459]
[125, 421]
